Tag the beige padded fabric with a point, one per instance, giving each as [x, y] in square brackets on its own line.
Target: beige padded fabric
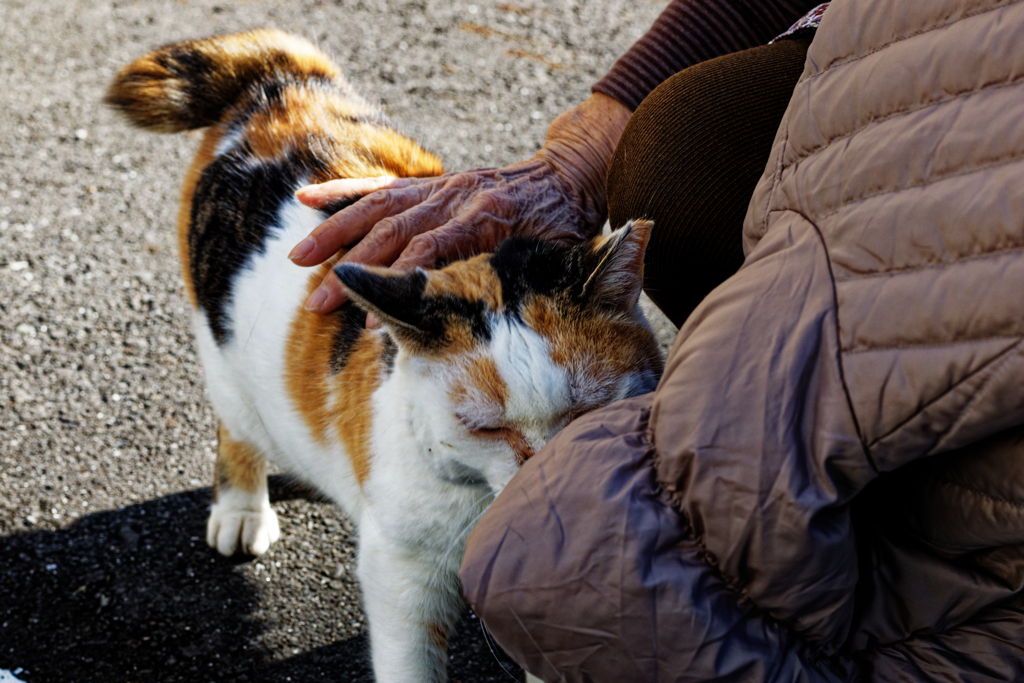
[877, 320]
[908, 157]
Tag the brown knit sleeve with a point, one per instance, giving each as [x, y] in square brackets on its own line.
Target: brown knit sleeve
[692, 31]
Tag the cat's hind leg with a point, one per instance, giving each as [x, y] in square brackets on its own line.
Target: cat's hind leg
[241, 519]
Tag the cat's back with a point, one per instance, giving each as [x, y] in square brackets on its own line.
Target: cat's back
[278, 115]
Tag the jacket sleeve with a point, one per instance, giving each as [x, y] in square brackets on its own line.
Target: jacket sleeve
[693, 31]
[583, 572]
[757, 445]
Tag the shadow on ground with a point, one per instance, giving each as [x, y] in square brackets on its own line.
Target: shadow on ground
[136, 595]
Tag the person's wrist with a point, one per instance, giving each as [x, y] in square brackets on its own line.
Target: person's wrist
[580, 144]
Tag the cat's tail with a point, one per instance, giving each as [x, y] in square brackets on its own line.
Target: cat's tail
[191, 84]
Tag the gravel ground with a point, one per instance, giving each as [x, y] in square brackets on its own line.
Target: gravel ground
[106, 436]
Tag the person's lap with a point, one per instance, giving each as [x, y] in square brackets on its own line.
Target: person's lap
[689, 160]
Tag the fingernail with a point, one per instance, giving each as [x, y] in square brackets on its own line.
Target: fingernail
[316, 299]
[302, 249]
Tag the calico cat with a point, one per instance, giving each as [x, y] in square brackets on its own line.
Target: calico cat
[412, 428]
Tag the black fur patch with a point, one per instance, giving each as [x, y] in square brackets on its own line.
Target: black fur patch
[439, 312]
[527, 266]
[387, 357]
[425, 320]
[192, 68]
[353, 322]
[233, 208]
[266, 92]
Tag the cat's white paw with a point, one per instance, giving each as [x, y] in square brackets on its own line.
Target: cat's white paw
[236, 524]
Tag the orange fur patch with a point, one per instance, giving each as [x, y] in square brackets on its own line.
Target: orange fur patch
[473, 279]
[158, 90]
[303, 112]
[438, 635]
[353, 415]
[341, 401]
[598, 345]
[238, 465]
[519, 444]
[482, 375]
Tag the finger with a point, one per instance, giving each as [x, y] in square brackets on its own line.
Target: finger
[322, 194]
[352, 223]
[453, 241]
[327, 297]
[382, 245]
[478, 228]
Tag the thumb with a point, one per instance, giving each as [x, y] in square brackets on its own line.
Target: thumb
[323, 194]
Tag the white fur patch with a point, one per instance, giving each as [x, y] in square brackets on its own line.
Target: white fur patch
[242, 521]
[539, 390]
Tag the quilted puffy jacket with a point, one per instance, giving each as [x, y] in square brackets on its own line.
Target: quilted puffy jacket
[828, 483]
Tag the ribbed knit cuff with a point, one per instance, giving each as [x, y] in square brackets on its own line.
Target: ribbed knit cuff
[692, 31]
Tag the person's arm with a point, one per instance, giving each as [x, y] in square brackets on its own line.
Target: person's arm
[556, 194]
[559, 193]
[692, 31]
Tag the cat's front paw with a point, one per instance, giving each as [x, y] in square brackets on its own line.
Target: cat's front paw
[236, 525]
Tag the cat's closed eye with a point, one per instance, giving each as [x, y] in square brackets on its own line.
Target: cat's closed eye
[492, 432]
[507, 433]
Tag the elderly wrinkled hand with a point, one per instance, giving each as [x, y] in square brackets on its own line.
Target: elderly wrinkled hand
[420, 222]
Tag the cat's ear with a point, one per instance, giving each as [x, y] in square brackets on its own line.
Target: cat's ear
[396, 298]
[616, 266]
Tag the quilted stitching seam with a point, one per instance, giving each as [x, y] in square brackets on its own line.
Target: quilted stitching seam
[1006, 159]
[957, 259]
[998, 370]
[978, 492]
[932, 345]
[994, 360]
[947, 21]
[776, 179]
[946, 98]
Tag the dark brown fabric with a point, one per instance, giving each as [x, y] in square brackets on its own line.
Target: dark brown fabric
[689, 160]
[692, 31]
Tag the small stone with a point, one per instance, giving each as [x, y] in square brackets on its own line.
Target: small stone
[81, 133]
[25, 330]
[18, 265]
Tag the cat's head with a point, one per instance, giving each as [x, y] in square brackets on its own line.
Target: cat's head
[499, 352]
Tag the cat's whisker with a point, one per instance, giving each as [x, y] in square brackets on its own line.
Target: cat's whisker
[459, 538]
[487, 639]
[256, 320]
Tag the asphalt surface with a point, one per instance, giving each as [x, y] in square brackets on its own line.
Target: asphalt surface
[106, 435]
